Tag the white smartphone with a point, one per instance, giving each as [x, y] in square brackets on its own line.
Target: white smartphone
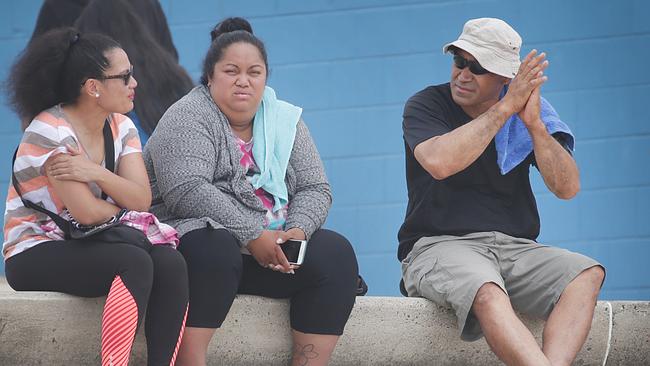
[294, 250]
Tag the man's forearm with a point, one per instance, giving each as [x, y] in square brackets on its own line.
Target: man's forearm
[556, 165]
[448, 154]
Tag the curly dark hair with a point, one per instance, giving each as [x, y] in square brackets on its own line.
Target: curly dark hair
[53, 67]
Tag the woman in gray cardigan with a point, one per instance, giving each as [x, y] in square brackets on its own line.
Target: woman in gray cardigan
[222, 193]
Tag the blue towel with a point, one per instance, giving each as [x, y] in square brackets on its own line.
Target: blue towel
[274, 130]
[513, 142]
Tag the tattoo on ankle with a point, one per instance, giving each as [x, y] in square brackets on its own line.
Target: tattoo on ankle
[302, 354]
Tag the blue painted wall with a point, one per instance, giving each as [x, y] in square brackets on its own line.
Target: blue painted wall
[353, 64]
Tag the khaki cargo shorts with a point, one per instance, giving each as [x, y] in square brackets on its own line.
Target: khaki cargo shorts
[449, 270]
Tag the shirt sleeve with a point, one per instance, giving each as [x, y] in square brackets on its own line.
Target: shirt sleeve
[561, 138]
[422, 120]
[313, 197]
[127, 135]
[45, 137]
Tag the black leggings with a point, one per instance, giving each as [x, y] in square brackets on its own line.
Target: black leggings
[154, 276]
[322, 291]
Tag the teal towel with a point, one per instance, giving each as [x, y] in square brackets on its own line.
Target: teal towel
[274, 130]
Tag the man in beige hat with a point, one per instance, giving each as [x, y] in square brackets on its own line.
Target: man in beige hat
[468, 239]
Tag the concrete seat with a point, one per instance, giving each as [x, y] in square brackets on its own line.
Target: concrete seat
[54, 329]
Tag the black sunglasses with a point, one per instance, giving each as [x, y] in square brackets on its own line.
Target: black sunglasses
[125, 77]
[476, 68]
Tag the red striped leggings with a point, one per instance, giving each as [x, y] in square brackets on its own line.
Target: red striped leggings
[138, 280]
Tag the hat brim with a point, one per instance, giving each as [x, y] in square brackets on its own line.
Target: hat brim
[487, 59]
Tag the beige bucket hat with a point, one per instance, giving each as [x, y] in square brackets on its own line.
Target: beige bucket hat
[493, 43]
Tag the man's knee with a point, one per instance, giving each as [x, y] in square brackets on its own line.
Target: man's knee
[592, 277]
[489, 297]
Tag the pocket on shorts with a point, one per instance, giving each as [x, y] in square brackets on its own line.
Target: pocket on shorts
[435, 284]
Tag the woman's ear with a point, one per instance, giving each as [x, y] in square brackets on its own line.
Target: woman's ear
[91, 88]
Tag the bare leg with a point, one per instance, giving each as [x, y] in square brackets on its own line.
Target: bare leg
[194, 346]
[312, 349]
[506, 335]
[569, 323]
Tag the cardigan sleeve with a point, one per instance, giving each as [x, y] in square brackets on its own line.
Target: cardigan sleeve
[312, 199]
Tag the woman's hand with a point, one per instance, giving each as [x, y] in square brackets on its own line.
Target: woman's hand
[293, 233]
[267, 252]
[73, 167]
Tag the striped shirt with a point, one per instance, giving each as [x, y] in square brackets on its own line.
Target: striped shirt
[47, 135]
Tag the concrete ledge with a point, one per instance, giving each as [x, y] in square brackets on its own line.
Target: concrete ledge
[55, 329]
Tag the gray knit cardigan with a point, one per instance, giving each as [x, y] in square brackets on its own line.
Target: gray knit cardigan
[197, 181]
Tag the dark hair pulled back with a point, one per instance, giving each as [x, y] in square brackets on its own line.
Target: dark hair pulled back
[53, 67]
[230, 25]
[226, 33]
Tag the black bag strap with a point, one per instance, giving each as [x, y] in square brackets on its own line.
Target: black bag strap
[63, 224]
[109, 151]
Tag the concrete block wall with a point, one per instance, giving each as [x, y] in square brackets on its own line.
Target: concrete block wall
[353, 64]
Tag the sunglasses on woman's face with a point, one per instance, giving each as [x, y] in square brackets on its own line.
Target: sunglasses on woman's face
[476, 68]
[125, 77]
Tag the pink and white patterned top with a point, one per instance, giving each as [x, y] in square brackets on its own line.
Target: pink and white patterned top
[272, 220]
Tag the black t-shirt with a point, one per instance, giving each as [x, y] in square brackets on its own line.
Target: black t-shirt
[476, 199]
